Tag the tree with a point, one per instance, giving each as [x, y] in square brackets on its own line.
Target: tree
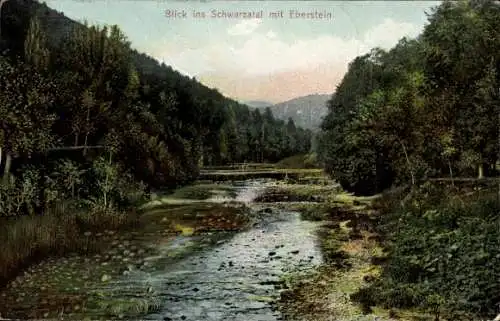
[461, 45]
[26, 100]
[35, 49]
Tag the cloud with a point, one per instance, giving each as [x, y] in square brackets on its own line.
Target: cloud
[271, 34]
[245, 27]
[388, 32]
[264, 53]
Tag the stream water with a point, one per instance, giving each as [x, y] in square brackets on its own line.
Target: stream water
[237, 279]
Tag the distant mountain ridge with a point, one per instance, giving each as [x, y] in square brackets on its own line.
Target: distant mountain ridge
[258, 103]
[306, 111]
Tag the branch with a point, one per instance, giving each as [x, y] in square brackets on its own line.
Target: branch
[74, 148]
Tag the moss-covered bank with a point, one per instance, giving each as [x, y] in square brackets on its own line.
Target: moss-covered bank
[390, 256]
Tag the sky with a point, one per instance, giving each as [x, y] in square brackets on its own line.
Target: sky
[258, 56]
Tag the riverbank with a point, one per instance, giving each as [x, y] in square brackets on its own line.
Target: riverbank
[29, 239]
[348, 243]
[350, 246]
[360, 246]
[65, 268]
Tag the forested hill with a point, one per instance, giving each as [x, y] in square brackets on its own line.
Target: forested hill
[307, 111]
[258, 103]
[79, 97]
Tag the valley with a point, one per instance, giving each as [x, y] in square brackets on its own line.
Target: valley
[131, 190]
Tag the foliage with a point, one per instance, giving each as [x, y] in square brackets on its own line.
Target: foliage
[442, 254]
[427, 107]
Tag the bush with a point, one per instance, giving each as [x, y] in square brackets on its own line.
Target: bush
[72, 204]
[440, 245]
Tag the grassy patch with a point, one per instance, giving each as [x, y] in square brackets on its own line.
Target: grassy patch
[202, 191]
[313, 212]
[299, 161]
[325, 294]
[241, 166]
[195, 218]
[296, 193]
[120, 307]
[185, 230]
[349, 242]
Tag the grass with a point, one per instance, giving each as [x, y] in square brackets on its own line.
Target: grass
[325, 294]
[298, 161]
[297, 193]
[202, 191]
[313, 212]
[185, 230]
[323, 200]
[28, 239]
[240, 166]
[131, 306]
[194, 218]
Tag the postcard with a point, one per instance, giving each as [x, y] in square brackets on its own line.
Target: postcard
[249, 160]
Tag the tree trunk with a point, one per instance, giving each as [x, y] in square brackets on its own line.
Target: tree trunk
[8, 163]
[451, 173]
[480, 169]
[1, 4]
[87, 133]
[409, 163]
[85, 145]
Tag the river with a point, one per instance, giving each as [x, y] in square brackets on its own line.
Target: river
[239, 277]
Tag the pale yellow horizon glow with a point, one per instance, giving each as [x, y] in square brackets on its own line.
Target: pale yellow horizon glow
[278, 86]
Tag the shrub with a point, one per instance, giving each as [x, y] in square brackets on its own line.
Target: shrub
[443, 253]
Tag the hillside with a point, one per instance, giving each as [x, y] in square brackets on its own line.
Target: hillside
[306, 111]
[258, 103]
[210, 117]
